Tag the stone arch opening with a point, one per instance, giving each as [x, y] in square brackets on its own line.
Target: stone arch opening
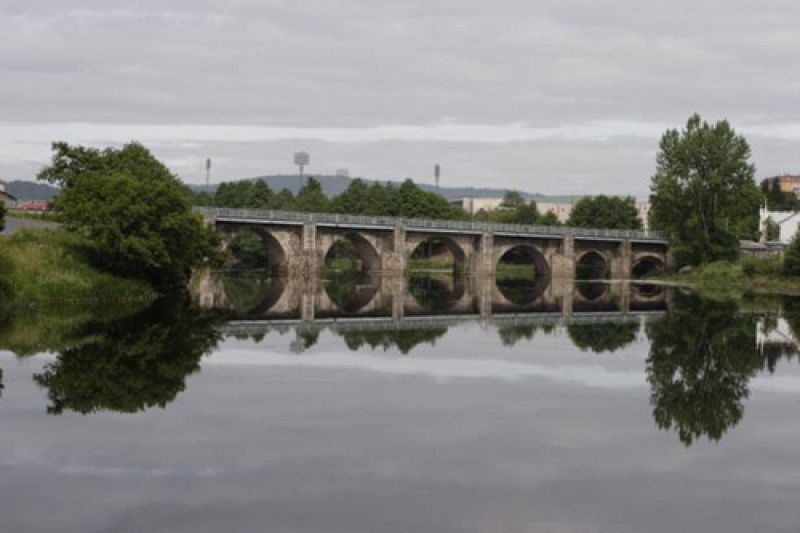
[522, 274]
[438, 254]
[646, 265]
[254, 249]
[591, 266]
[351, 253]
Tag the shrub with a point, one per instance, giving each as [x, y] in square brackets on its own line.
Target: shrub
[791, 261]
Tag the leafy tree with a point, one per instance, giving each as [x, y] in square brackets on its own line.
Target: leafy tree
[261, 196]
[602, 211]
[702, 357]
[513, 199]
[134, 210]
[703, 194]
[791, 259]
[311, 198]
[523, 213]
[778, 200]
[2, 216]
[354, 200]
[131, 364]
[284, 199]
[549, 219]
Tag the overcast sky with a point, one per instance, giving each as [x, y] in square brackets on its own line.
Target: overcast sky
[561, 96]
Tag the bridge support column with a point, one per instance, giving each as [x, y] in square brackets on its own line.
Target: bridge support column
[485, 256]
[626, 257]
[563, 264]
[393, 261]
[309, 243]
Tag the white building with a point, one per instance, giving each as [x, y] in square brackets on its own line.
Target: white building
[6, 198]
[787, 222]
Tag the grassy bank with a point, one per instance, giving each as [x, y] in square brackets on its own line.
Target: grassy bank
[748, 274]
[40, 267]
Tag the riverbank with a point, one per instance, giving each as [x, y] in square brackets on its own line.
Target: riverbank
[40, 267]
[745, 275]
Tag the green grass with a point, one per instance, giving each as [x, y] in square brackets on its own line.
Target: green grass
[45, 267]
[748, 274]
[50, 216]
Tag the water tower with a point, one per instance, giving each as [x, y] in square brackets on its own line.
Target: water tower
[301, 159]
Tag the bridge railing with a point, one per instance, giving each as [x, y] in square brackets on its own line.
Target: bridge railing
[425, 223]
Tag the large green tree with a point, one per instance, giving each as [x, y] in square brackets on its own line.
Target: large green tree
[703, 196]
[2, 216]
[134, 210]
[610, 212]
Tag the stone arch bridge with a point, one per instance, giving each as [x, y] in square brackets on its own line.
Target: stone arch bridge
[297, 243]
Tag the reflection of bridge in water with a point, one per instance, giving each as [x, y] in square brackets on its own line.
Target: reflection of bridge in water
[398, 297]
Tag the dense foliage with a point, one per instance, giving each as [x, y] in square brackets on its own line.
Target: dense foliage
[791, 259]
[2, 216]
[778, 200]
[359, 198]
[610, 212]
[135, 211]
[703, 194]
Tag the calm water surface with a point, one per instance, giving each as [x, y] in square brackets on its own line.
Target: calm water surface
[664, 412]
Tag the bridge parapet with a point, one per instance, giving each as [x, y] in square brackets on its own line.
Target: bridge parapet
[453, 226]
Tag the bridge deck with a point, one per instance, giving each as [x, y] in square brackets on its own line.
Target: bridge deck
[263, 216]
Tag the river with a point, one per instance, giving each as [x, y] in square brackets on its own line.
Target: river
[652, 410]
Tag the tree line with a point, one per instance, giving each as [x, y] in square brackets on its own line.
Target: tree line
[409, 200]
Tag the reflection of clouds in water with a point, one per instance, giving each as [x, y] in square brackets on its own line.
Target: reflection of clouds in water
[441, 370]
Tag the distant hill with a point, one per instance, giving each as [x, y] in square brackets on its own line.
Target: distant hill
[333, 185]
[31, 190]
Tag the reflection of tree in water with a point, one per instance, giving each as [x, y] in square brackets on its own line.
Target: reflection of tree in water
[702, 357]
[511, 335]
[602, 337]
[133, 363]
[404, 340]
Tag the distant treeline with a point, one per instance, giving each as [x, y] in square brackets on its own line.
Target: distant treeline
[409, 200]
[361, 198]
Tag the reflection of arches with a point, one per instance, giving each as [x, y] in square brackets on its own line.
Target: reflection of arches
[645, 265]
[350, 293]
[251, 294]
[356, 245]
[591, 291]
[523, 275]
[438, 246]
[437, 294]
[591, 265]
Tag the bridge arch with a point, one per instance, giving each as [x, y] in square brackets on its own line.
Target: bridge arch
[591, 265]
[270, 256]
[438, 245]
[354, 246]
[646, 264]
[522, 274]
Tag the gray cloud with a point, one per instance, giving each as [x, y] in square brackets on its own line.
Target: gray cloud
[360, 65]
